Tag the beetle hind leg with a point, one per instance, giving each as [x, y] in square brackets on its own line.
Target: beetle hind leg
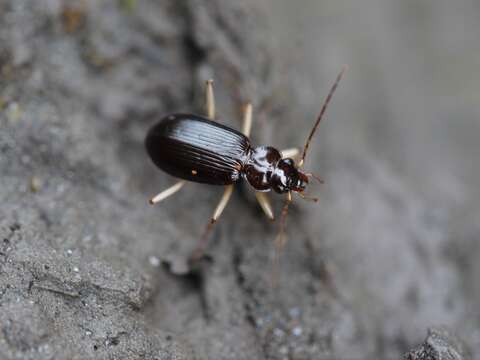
[210, 100]
[210, 107]
[167, 192]
[202, 243]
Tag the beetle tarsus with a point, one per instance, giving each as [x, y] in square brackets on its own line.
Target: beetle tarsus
[199, 251]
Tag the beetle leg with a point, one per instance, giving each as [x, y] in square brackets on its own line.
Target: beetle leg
[308, 198]
[246, 129]
[210, 100]
[290, 153]
[281, 238]
[316, 177]
[167, 192]
[223, 202]
[202, 244]
[265, 204]
[247, 119]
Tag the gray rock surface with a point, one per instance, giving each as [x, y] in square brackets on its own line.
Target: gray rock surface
[81, 83]
[81, 252]
[439, 344]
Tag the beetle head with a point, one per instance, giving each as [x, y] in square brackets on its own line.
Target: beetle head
[287, 177]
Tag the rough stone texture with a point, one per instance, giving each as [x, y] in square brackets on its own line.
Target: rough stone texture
[81, 252]
[439, 344]
[80, 84]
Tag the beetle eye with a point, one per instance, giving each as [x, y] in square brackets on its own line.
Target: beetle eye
[301, 184]
[294, 181]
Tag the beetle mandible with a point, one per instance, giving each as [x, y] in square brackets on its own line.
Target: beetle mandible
[195, 148]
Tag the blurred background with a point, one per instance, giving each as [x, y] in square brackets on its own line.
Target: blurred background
[409, 105]
[412, 88]
[89, 270]
[408, 108]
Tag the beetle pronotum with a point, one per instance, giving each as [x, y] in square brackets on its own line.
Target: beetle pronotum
[199, 149]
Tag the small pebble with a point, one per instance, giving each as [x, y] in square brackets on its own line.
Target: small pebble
[43, 348]
[76, 269]
[297, 331]
[35, 184]
[259, 322]
[154, 261]
[25, 159]
[294, 312]
[13, 112]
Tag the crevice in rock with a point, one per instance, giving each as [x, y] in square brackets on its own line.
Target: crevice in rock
[194, 54]
[196, 279]
[247, 298]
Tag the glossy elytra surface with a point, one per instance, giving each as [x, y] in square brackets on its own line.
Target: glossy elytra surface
[193, 148]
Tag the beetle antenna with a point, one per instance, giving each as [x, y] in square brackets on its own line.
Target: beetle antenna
[281, 239]
[308, 198]
[316, 177]
[322, 112]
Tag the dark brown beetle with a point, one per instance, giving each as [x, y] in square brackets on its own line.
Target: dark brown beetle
[198, 149]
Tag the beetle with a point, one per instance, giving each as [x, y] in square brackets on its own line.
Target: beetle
[199, 149]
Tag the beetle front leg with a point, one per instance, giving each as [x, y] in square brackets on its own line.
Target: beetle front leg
[202, 244]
